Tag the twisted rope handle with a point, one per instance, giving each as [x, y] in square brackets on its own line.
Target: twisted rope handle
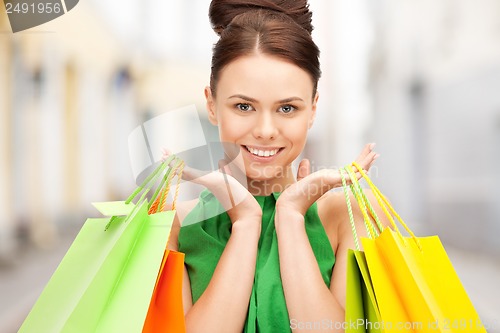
[159, 198]
[385, 205]
[149, 181]
[177, 186]
[145, 187]
[366, 204]
[362, 201]
[349, 209]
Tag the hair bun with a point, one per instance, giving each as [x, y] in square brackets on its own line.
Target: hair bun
[222, 12]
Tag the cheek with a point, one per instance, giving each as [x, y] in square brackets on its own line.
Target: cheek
[232, 127]
[229, 131]
[297, 133]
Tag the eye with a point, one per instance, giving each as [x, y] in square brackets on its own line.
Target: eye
[244, 107]
[287, 109]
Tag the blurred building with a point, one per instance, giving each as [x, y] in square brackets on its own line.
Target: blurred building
[419, 78]
[71, 91]
[67, 94]
[434, 79]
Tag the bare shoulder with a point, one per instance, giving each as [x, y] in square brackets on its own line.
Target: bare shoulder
[332, 210]
[182, 209]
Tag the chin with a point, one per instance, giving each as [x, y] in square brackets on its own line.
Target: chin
[265, 173]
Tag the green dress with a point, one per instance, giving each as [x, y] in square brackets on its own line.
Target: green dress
[203, 243]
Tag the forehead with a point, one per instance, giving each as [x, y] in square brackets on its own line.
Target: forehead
[264, 77]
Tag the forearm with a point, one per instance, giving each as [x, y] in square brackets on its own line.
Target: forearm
[308, 298]
[224, 304]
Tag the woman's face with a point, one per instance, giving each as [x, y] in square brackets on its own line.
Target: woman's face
[264, 106]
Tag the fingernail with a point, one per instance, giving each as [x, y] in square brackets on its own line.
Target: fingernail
[372, 145]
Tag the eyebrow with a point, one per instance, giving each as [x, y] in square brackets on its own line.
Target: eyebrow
[253, 100]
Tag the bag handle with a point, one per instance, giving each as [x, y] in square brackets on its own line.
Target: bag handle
[159, 198]
[364, 205]
[349, 208]
[151, 179]
[386, 206]
[146, 185]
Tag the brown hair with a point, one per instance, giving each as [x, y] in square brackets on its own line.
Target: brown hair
[281, 28]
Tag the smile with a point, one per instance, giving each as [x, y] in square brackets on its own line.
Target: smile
[262, 152]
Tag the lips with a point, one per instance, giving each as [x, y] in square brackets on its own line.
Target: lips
[263, 151]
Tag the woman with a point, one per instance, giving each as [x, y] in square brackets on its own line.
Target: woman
[275, 260]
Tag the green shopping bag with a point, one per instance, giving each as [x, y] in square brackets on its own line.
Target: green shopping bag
[105, 281]
[361, 312]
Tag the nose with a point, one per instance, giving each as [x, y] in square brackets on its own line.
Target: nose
[265, 126]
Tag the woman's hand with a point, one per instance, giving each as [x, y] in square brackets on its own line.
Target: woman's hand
[233, 196]
[298, 197]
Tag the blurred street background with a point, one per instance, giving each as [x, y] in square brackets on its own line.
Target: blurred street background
[419, 78]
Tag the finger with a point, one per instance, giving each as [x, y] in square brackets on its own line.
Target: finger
[165, 154]
[357, 175]
[370, 160]
[373, 160]
[367, 149]
[367, 156]
[304, 169]
[365, 169]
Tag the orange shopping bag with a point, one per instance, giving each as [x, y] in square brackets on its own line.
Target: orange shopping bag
[166, 313]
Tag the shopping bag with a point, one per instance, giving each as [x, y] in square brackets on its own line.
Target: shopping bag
[416, 287]
[424, 280]
[361, 312]
[166, 313]
[105, 281]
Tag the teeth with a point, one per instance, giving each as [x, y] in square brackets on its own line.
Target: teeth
[262, 153]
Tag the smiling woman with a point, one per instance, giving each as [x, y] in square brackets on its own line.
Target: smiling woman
[265, 106]
[276, 255]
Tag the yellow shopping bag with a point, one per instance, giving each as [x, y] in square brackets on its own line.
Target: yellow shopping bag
[416, 287]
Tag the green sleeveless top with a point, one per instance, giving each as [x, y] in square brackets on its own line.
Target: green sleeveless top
[203, 237]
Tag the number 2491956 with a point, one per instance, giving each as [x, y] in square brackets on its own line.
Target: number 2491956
[32, 8]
